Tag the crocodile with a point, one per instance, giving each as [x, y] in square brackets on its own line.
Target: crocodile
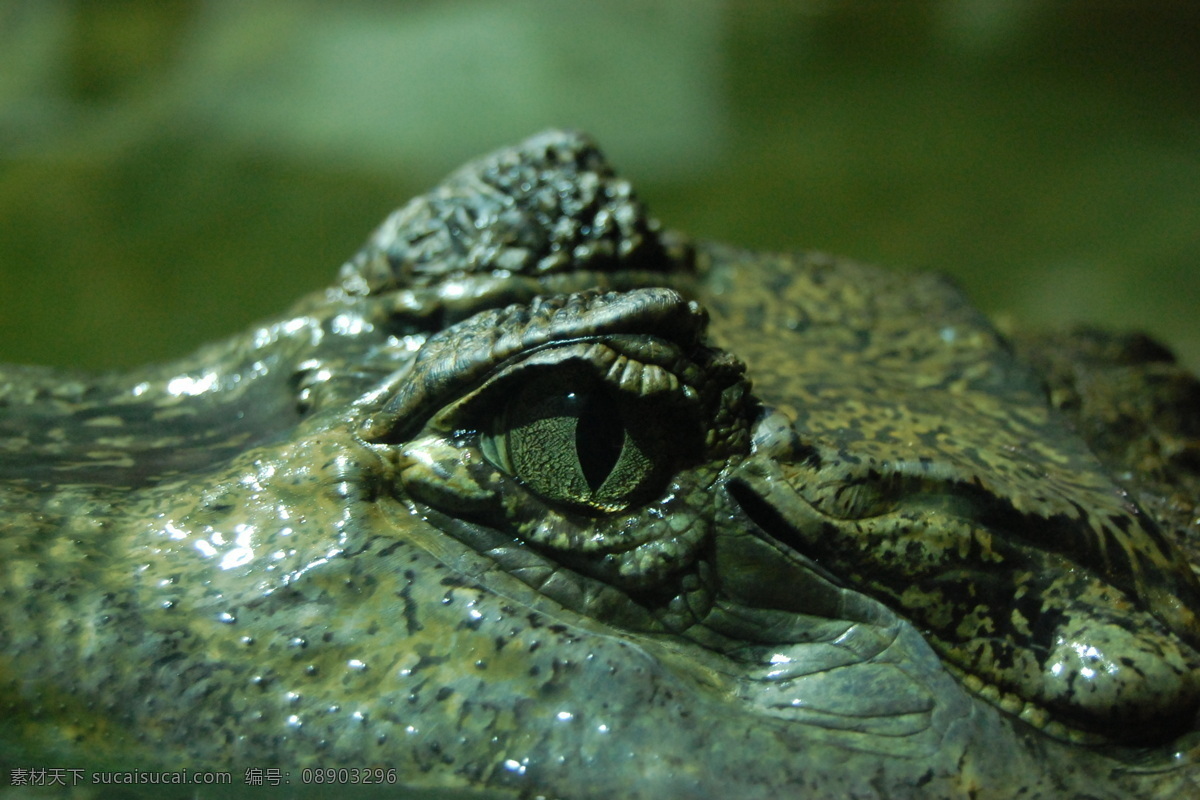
[540, 499]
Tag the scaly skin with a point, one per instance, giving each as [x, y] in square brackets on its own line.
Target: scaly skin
[539, 501]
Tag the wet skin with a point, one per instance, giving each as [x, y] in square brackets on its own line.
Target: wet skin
[537, 499]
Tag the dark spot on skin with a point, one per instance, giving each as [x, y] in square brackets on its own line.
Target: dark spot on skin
[847, 457]
[414, 696]
[366, 546]
[393, 547]
[443, 693]
[162, 662]
[411, 623]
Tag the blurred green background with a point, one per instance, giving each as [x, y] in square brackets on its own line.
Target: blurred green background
[170, 171]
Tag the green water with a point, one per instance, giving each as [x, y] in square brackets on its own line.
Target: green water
[171, 171]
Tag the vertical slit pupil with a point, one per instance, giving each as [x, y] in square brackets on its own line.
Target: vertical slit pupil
[599, 438]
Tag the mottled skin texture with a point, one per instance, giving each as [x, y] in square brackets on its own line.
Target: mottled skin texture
[539, 501]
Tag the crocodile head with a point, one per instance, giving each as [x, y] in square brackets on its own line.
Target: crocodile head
[538, 499]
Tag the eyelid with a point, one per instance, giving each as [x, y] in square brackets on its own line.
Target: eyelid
[590, 364]
[460, 357]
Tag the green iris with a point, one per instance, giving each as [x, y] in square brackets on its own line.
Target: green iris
[583, 446]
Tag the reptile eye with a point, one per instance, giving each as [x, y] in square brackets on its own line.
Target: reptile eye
[579, 444]
[598, 452]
